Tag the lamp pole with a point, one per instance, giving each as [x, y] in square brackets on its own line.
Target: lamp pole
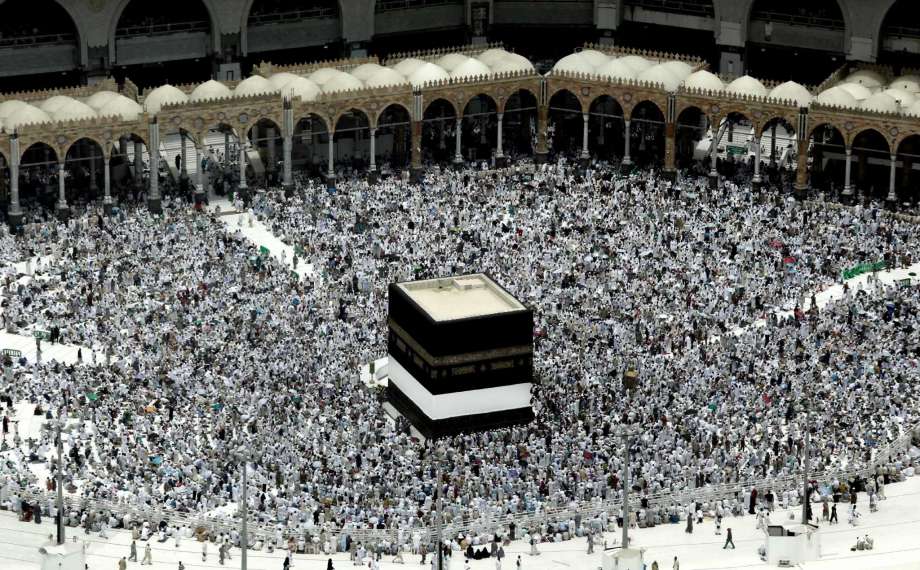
[630, 381]
[244, 536]
[60, 482]
[806, 460]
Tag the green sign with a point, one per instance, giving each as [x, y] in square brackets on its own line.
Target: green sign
[862, 268]
[12, 352]
[44, 335]
[263, 250]
[735, 149]
[295, 276]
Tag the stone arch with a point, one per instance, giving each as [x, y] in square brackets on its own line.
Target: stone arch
[506, 99]
[440, 129]
[646, 132]
[828, 154]
[748, 11]
[872, 153]
[435, 100]
[559, 90]
[72, 143]
[119, 10]
[479, 126]
[788, 125]
[75, 20]
[25, 148]
[907, 150]
[466, 102]
[646, 101]
[606, 126]
[690, 127]
[897, 10]
[393, 136]
[383, 109]
[867, 131]
[247, 11]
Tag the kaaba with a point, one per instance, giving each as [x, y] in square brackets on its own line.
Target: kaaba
[460, 355]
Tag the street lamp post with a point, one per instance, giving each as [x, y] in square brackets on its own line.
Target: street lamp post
[806, 460]
[60, 482]
[244, 535]
[630, 382]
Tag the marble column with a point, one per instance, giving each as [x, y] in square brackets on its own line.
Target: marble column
[756, 178]
[154, 201]
[373, 165]
[243, 184]
[499, 150]
[892, 192]
[15, 211]
[61, 205]
[107, 186]
[627, 160]
[458, 154]
[848, 168]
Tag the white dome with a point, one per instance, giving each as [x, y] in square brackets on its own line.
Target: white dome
[914, 109]
[101, 99]
[702, 79]
[574, 63]
[792, 91]
[680, 69]
[492, 56]
[302, 87]
[904, 98]
[74, 111]
[512, 64]
[7, 108]
[407, 67]
[880, 103]
[660, 74]
[837, 97]
[452, 60]
[366, 71]
[121, 107]
[427, 73]
[909, 83]
[279, 80]
[386, 77]
[25, 116]
[471, 68]
[210, 90]
[859, 92]
[867, 78]
[636, 63]
[594, 57]
[343, 82]
[163, 95]
[254, 85]
[747, 85]
[323, 75]
[52, 105]
[616, 69]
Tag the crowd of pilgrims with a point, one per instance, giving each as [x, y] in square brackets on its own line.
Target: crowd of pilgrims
[215, 352]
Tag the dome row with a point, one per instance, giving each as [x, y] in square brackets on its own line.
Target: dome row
[15, 113]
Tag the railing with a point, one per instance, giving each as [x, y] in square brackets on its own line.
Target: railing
[314, 13]
[903, 31]
[162, 29]
[702, 8]
[44, 39]
[799, 20]
[392, 5]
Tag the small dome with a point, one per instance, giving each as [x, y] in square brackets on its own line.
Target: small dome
[323, 75]
[343, 82]
[366, 71]
[452, 60]
[427, 73]
[512, 63]
[254, 85]
[594, 57]
[636, 63]
[574, 63]
[914, 109]
[880, 103]
[792, 91]
[660, 74]
[101, 99]
[7, 108]
[122, 108]
[909, 83]
[616, 69]
[52, 105]
[837, 97]
[279, 80]
[25, 116]
[492, 56]
[471, 68]
[904, 98]
[210, 90]
[74, 111]
[702, 79]
[302, 87]
[859, 92]
[747, 85]
[680, 69]
[866, 78]
[163, 95]
[386, 77]
[408, 66]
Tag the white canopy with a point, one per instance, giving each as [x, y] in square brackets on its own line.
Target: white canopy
[903, 97]
[837, 97]
[342, 82]
[575, 63]
[52, 105]
[680, 69]
[660, 74]
[121, 107]
[386, 77]
[471, 68]
[866, 78]
[909, 83]
[163, 95]
[25, 116]
[7, 108]
[859, 92]
[254, 85]
[452, 60]
[426, 73]
[914, 109]
[512, 64]
[367, 70]
[703, 79]
[301, 87]
[792, 91]
[407, 67]
[616, 69]
[210, 90]
[74, 111]
[636, 63]
[594, 57]
[99, 99]
[279, 80]
[880, 103]
[747, 85]
[492, 56]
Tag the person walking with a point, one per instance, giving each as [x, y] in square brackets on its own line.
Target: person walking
[204, 550]
[689, 529]
[520, 564]
[728, 539]
[329, 565]
[590, 543]
[122, 564]
[133, 556]
[676, 565]
[834, 514]
[148, 560]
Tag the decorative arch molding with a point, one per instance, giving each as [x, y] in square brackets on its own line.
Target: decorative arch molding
[244, 22]
[120, 9]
